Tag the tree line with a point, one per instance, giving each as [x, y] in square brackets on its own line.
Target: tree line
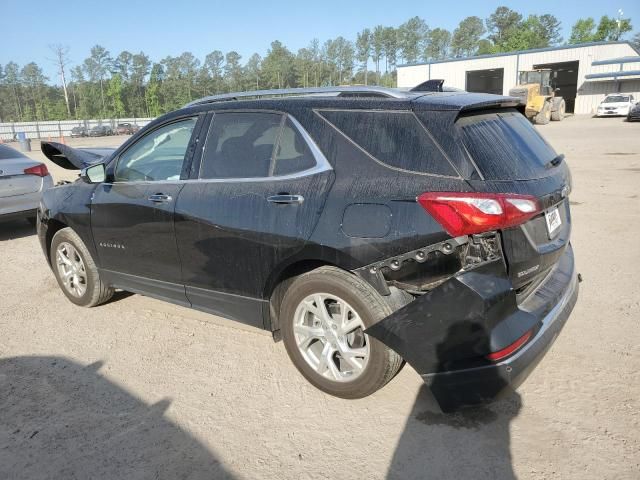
[132, 85]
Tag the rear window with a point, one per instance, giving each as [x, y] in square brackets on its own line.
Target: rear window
[397, 139]
[8, 152]
[505, 146]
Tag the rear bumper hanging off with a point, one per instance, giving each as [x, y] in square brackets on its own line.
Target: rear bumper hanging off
[446, 334]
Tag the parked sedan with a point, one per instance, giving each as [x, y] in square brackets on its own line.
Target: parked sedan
[22, 181]
[634, 113]
[100, 131]
[615, 105]
[127, 128]
[78, 132]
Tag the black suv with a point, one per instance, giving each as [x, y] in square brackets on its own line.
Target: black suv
[364, 227]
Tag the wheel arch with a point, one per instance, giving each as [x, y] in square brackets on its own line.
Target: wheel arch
[278, 285]
[53, 227]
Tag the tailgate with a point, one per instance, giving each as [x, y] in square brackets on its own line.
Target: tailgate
[512, 157]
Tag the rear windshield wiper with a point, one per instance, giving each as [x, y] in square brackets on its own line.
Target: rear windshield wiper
[555, 162]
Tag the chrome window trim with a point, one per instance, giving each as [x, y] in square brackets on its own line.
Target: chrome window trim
[318, 112]
[322, 164]
[151, 132]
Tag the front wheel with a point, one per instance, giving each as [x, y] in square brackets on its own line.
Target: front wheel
[76, 271]
[544, 116]
[323, 318]
[560, 109]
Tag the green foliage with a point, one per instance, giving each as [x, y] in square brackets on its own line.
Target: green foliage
[411, 36]
[466, 37]
[501, 24]
[130, 84]
[582, 31]
[437, 44]
[114, 92]
[509, 32]
[608, 29]
[611, 29]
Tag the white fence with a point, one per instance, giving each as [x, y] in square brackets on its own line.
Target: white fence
[54, 130]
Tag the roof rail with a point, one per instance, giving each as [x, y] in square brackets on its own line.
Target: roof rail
[344, 91]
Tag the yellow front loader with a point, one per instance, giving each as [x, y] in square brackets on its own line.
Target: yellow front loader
[535, 92]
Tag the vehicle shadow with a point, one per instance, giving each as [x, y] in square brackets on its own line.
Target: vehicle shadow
[14, 229]
[472, 442]
[60, 419]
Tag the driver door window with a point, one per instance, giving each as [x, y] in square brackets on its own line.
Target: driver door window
[158, 155]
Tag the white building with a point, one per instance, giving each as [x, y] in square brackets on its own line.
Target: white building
[584, 73]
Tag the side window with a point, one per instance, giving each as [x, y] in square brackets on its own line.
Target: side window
[240, 145]
[254, 145]
[293, 154]
[158, 155]
[397, 139]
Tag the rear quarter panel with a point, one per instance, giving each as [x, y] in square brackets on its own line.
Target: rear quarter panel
[362, 181]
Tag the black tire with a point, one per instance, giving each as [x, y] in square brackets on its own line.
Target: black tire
[560, 108]
[96, 292]
[383, 363]
[544, 116]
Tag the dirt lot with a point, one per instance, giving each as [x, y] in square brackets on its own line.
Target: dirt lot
[138, 388]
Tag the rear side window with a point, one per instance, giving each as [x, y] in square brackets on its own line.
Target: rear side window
[397, 139]
[254, 145]
[505, 146]
[293, 154]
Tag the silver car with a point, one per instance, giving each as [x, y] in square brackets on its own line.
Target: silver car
[22, 181]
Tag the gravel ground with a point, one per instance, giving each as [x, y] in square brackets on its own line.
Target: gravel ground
[139, 388]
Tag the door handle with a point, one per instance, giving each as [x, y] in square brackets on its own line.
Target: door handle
[284, 199]
[160, 198]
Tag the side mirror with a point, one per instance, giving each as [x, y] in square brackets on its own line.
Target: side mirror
[94, 173]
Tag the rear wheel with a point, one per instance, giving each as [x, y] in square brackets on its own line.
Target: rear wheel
[76, 271]
[544, 116]
[323, 316]
[559, 109]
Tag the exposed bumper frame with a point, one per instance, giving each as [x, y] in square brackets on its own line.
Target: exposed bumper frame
[484, 383]
[447, 333]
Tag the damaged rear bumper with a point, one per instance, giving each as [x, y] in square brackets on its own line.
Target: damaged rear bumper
[446, 334]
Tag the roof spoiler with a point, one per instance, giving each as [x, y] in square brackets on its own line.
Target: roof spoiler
[500, 102]
[73, 158]
[434, 85]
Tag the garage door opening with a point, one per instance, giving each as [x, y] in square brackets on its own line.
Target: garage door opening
[564, 76]
[485, 81]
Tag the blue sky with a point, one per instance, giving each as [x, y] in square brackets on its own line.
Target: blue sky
[161, 27]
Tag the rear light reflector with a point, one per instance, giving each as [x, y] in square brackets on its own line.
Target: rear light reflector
[469, 213]
[505, 352]
[39, 170]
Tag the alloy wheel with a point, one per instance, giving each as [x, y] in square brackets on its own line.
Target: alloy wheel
[330, 336]
[71, 269]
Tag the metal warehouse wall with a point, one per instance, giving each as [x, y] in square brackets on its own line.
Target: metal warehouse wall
[590, 92]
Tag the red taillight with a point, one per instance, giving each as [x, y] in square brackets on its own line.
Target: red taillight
[39, 170]
[468, 213]
[505, 352]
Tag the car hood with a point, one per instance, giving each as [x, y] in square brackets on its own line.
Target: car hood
[73, 158]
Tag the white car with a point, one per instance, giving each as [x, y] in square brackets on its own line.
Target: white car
[22, 182]
[616, 104]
